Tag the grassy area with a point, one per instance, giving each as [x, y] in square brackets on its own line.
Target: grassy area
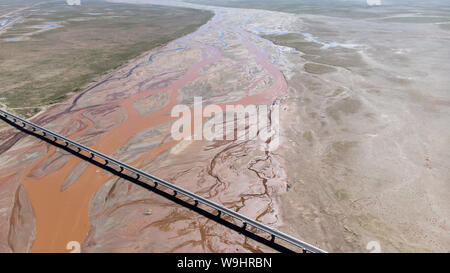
[46, 65]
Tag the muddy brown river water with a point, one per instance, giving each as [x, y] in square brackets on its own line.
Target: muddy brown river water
[62, 189]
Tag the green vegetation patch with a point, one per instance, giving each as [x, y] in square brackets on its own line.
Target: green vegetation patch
[45, 66]
[318, 68]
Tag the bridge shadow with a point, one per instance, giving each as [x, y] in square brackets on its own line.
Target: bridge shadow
[193, 207]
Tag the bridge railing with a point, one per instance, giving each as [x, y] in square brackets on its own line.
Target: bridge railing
[176, 190]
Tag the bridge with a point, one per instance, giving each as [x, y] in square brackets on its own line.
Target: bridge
[137, 176]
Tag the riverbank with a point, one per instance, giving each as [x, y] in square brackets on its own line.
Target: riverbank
[43, 66]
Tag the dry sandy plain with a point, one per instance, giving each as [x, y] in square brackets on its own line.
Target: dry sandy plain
[364, 153]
